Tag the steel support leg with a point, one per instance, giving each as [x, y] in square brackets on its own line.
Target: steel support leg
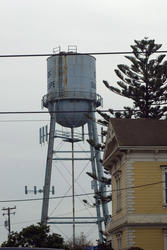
[95, 186]
[46, 190]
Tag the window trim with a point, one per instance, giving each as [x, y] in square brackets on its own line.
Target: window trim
[164, 184]
[119, 240]
[165, 238]
[117, 176]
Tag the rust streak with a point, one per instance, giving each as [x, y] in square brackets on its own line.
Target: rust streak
[60, 75]
[65, 76]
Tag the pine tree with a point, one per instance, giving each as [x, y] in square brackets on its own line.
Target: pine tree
[144, 82]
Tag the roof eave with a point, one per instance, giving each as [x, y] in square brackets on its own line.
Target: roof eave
[143, 148]
[120, 150]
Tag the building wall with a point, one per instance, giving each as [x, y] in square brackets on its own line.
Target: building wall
[149, 238]
[143, 216]
[148, 199]
[127, 236]
[145, 238]
[123, 239]
[116, 215]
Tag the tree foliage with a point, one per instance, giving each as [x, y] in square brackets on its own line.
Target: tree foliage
[80, 243]
[104, 246]
[144, 82]
[34, 236]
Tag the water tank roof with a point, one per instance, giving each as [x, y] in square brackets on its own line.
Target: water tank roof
[65, 53]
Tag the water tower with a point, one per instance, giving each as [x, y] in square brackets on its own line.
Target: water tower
[71, 101]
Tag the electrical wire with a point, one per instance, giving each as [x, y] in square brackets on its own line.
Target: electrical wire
[24, 121]
[90, 231]
[62, 232]
[69, 188]
[83, 194]
[76, 181]
[71, 54]
[70, 212]
[62, 197]
[23, 222]
[57, 112]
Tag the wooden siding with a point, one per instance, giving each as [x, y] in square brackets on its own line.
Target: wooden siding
[118, 214]
[149, 238]
[124, 239]
[148, 199]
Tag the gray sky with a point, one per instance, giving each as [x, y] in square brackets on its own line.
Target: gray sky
[37, 26]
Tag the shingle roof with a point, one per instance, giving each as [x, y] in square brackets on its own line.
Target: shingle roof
[140, 132]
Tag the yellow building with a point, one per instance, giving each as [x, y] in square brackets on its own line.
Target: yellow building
[136, 157]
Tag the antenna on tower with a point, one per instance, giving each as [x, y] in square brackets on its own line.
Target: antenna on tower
[35, 190]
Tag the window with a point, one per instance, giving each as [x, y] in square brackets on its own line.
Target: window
[118, 191]
[165, 239]
[166, 187]
[119, 241]
[164, 183]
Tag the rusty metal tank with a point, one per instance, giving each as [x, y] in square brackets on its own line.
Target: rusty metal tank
[71, 86]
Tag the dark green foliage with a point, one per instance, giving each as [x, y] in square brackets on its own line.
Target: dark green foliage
[144, 82]
[34, 236]
[105, 116]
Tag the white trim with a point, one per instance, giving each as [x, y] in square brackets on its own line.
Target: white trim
[165, 239]
[129, 192]
[130, 237]
[164, 172]
[147, 218]
[119, 240]
[151, 220]
[147, 156]
[118, 192]
[144, 148]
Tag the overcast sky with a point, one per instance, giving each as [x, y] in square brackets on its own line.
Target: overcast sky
[37, 26]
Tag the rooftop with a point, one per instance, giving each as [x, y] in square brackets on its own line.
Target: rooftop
[140, 132]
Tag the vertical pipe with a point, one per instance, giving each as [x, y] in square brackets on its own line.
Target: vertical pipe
[73, 188]
[102, 186]
[95, 186]
[48, 171]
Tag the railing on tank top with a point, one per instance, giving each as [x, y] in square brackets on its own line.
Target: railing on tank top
[83, 95]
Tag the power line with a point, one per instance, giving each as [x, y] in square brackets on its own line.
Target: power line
[83, 194]
[38, 220]
[57, 112]
[68, 53]
[24, 121]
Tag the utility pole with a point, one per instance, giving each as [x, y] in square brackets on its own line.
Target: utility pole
[8, 213]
